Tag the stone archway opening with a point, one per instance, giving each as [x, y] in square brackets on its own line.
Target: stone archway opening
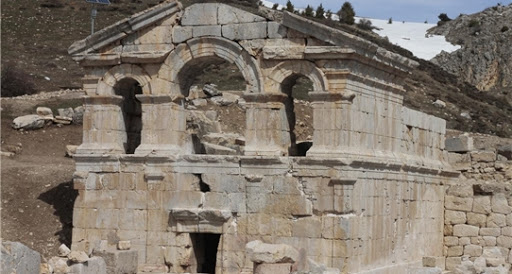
[298, 113]
[132, 112]
[214, 70]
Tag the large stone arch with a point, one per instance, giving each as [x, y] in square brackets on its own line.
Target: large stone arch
[109, 80]
[285, 69]
[205, 47]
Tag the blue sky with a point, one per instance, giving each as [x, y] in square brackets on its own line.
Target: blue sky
[404, 10]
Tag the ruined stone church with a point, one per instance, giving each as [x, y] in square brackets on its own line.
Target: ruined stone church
[367, 197]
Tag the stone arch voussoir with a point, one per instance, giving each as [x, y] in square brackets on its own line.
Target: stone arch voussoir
[308, 69]
[107, 83]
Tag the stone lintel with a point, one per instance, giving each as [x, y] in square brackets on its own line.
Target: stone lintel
[347, 75]
[265, 97]
[159, 99]
[99, 59]
[144, 57]
[323, 96]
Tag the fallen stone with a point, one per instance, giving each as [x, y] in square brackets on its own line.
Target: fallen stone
[197, 121]
[226, 99]
[230, 140]
[199, 102]
[440, 104]
[483, 156]
[6, 153]
[505, 151]
[211, 90]
[95, 265]
[71, 150]
[62, 120]
[59, 264]
[45, 268]
[78, 115]
[18, 258]
[260, 252]
[66, 112]
[64, 250]
[44, 112]
[28, 122]
[78, 257]
[124, 245]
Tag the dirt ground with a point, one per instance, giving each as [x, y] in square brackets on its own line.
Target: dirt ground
[36, 192]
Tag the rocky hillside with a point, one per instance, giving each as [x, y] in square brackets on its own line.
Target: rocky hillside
[37, 33]
[485, 59]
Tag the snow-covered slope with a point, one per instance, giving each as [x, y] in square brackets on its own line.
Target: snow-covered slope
[409, 35]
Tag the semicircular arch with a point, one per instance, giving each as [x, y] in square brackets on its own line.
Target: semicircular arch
[114, 75]
[307, 69]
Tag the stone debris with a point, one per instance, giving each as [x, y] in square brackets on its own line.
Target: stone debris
[45, 112]
[214, 149]
[211, 90]
[18, 258]
[28, 122]
[59, 265]
[94, 265]
[78, 115]
[505, 151]
[78, 257]
[62, 120]
[64, 250]
[226, 99]
[66, 112]
[440, 104]
[124, 245]
[199, 102]
[71, 150]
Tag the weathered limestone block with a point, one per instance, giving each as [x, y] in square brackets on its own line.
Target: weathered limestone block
[482, 204]
[465, 230]
[473, 250]
[425, 270]
[494, 256]
[455, 251]
[434, 262]
[200, 31]
[458, 203]
[264, 268]
[95, 265]
[496, 220]
[463, 191]
[245, 31]
[476, 219]
[452, 262]
[490, 231]
[276, 30]
[499, 204]
[454, 217]
[260, 252]
[119, 261]
[197, 15]
[483, 156]
[28, 122]
[489, 241]
[464, 241]
[18, 258]
[181, 34]
[230, 15]
[504, 241]
[460, 143]
[451, 241]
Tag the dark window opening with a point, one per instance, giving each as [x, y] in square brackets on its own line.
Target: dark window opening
[132, 112]
[205, 247]
[299, 113]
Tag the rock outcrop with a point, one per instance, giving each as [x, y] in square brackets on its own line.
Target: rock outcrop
[485, 59]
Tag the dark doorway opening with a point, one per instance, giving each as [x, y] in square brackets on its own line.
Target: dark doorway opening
[205, 247]
[132, 112]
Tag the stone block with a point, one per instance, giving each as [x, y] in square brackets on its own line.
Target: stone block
[504, 241]
[465, 230]
[458, 203]
[460, 143]
[276, 30]
[94, 265]
[505, 151]
[18, 258]
[496, 220]
[473, 250]
[483, 156]
[245, 31]
[482, 204]
[272, 268]
[499, 204]
[476, 219]
[452, 263]
[181, 34]
[200, 14]
[230, 15]
[434, 262]
[260, 252]
[120, 261]
[307, 228]
[454, 251]
[489, 241]
[200, 31]
[490, 231]
[450, 241]
[454, 217]
[185, 199]
[464, 241]
[463, 191]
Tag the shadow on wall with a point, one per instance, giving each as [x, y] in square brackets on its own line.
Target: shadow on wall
[62, 198]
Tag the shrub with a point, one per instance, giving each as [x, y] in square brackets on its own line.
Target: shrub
[444, 18]
[365, 24]
[390, 20]
[275, 6]
[347, 13]
[474, 23]
[16, 82]
[308, 11]
[289, 6]
[504, 29]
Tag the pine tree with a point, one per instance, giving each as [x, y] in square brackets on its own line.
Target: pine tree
[289, 6]
[308, 11]
[390, 21]
[319, 13]
[347, 13]
[328, 14]
[275, 6]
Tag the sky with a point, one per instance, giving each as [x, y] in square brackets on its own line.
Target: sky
[404, 10]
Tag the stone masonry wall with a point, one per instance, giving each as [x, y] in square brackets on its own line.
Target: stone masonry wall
[478, 211]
